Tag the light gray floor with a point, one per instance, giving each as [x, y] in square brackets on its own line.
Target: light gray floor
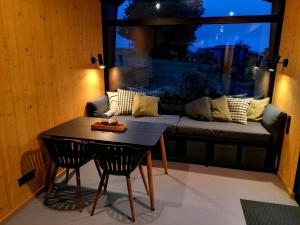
[190, 194]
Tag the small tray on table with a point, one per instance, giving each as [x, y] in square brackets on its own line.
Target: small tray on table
[116, 128]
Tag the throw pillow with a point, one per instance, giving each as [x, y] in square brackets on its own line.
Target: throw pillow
[113, 101]
[145, 105]
[238, 108]
[199, 109]
[257, 108]
[98, 107]
[108, 114]
[220, 110]
[125, 101]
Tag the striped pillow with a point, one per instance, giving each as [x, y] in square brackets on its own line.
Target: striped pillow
[125, 101]
[113, 101]
[238, 109]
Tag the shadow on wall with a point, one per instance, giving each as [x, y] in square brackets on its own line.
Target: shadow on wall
[36, 160]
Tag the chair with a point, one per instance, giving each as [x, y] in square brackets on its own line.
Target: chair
[119, 160]
[68, 154]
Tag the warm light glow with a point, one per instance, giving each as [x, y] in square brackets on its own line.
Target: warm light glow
[92, 76]
[102, 67]
[115, 78]
[283, 91]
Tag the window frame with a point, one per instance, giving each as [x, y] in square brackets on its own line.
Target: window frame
[109, 10]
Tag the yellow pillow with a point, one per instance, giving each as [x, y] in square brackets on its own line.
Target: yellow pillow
[257, 108]
[145, 105]
[220, 110]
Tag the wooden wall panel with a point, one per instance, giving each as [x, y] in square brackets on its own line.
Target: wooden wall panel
[45, 79]
[287, 91]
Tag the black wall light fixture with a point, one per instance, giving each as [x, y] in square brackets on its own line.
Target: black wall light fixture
[270, 65]
[100, 60]
[275, 61]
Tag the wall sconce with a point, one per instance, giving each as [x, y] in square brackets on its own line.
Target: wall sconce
[100, 60]
[275, 61]
[270, 66]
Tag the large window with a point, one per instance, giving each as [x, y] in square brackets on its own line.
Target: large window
[181, 62]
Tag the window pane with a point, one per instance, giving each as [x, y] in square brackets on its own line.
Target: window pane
[182, 63]
[140, 9]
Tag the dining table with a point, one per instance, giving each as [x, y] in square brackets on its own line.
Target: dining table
[144, 135]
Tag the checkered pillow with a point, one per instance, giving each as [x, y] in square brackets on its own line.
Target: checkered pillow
[113, 101]
[238, 109]
[125, 101]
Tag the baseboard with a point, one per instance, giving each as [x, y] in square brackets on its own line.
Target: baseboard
[28, 200]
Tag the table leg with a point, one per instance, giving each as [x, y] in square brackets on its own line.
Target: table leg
[163, 153]
[150, 179]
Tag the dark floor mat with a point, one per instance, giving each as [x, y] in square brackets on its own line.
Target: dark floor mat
[262, 213]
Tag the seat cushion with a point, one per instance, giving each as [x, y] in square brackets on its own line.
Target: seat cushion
[170, 120]
[253, 131]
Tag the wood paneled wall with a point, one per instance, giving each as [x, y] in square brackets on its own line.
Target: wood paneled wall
[45, 79]
[287, 91]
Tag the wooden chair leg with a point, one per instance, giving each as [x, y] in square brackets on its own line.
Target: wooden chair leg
[144, 178]
[163, 153]
[106, 182]
[98, 194]
[78, 188]
[130, 197]
[67, 175]
[150, 179]
[98, 167]
[52, 179]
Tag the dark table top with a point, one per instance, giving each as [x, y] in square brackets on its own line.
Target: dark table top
[137, 133]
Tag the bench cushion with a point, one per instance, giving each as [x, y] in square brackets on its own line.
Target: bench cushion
[253, 131]
[170, 120]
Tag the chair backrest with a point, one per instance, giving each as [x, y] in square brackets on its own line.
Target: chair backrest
[68, 153]
[118, 159]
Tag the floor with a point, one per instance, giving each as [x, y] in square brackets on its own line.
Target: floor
[190, 194]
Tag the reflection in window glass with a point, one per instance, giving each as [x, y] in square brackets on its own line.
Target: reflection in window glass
[138, 9]
[182, 63]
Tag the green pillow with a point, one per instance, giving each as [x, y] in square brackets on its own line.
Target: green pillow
[257, 108]
[220, 110]
[145, 105]
[199, 109]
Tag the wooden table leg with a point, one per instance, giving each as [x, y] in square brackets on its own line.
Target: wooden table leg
[163, 153]
[150, 179]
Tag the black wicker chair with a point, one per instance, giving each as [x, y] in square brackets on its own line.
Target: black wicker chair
[68, 154]
[119, 160]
